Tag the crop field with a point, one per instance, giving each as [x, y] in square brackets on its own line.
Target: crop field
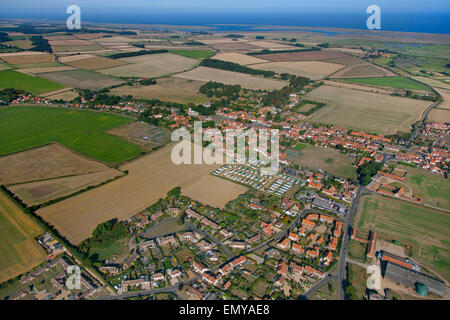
[167, 89]
[33, 71]
[347, 60]
[50, 161]
[66, 95]
[75, 57]
[4, 66]
[38, 192]
[329, 160]
[152, 65]
[302, 56]
[205, 74]
[445, 104]
[367, 111]
[234, 46]
[311, 69]
[83, 79]
[69, 42]
[272, 45]
[76, 48]
[23, 128]
[19, 251]
[425, 230]
[149, 179]
[363, 71]
[24, 58]
[28, 83]
[433, 82]
[433, 188]
[349, 85]
[439, 115]
[194, 54]
[95, 63]
[393, 82]
[238, 58]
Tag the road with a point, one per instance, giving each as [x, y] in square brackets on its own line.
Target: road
[210, 237]
[424, 117]
[318, 285]
[343, 254]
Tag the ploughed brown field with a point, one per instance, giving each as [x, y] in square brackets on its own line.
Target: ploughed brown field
[302, 56]
[149, 179]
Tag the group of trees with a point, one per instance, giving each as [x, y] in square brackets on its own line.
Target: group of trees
[4, 37]
[219, 90]
[266, 51]
[231, 66]
[367, 171]
[8, 95]
[40, 44]
[137, 53]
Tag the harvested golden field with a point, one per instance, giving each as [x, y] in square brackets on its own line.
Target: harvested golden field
[311, 69]
[272, 45]
[432, 82]
[149, 179]
[32, 71]
[75, 57]
[201, 191]
[366, 111]
[356, 86]
[28, 58]
[64, 94]
[238, 58]
[19, 251]
[445, 104]
[96, 63]
[38, 192]
[347, 60]
[234, 46]
[69, 42]
[76, 48]
[167, 89]
[115, 40]
[205, 74]
[439, 115]
[49, 161]
[152, 65]
[363, 71]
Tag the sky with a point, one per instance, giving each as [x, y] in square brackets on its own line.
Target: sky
[229, 5]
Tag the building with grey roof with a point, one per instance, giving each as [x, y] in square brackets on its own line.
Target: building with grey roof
[410, 278]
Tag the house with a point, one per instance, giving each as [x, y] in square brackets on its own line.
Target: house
[337, 229]
[332, 245]
[174, 273]
[312, 253]
[158, 277]
[326, 259]
[296, 269]
[199, 268]
[326, 219]
[282, 269]
[210, 278]
[297, 249]
[285, 244]
[293, 236]
[279, 281]
[372, 242]
[308, 224]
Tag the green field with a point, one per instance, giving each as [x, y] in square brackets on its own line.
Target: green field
[393, 82]
[34, 85]
[104, 251]
[424, 229]
[434, 189]
[329, 160]
[195, 54]
[22, 128]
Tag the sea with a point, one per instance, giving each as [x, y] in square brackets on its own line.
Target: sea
[423, 22]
